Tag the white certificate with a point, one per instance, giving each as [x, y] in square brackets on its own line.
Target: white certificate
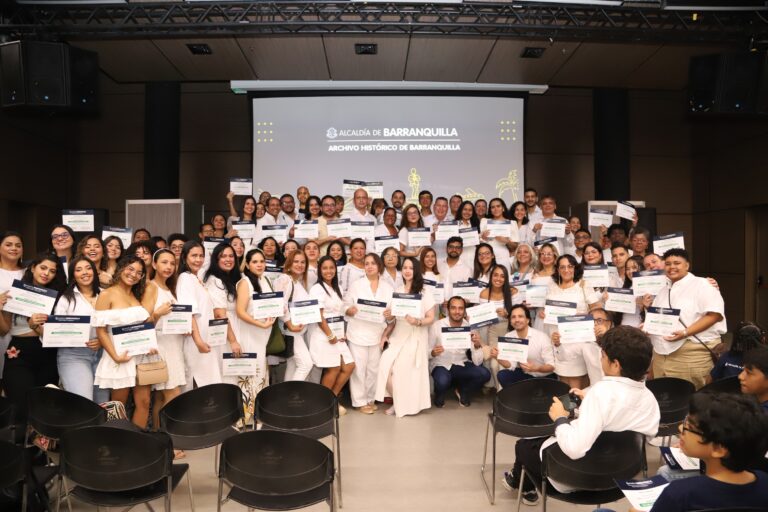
[375, 189]
[598, 217]
[267, 305]
[124, 234]
[66, 331]
[210, 243]
[596, 276]
[648, 282]
[245, 229]
[419, 237]
[245, 365]
[556, 308]
[467, 290]
[272, 271]
[26, 300]
[498, 228]
[676, 459]
[518, 288]
[536, 295]
[446, 230]
[340, 228]
[178, 321]
[662, 244]
[576, 329]
[437, 289]
[456, 338]
[337, 326]
[621, 300]
[307, 229]
[81, 221]
[305, 312]
[241, 186]
[362, 229]
[384, 242]
[661, 321]
[370, 311]
[625, 210]
[642, 494]
[135, 339]
[348, 187]
[469, 236]
[549, 240]
[406, 304]
[482, 313]
[553, 228]
[277, 231]
[513, 349]
[217, 332]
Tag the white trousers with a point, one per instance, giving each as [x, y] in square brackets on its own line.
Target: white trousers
[362, 383]
[300, 365]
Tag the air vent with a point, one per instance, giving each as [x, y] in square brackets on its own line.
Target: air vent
[366, 48]
[199, 49]
[532, 52]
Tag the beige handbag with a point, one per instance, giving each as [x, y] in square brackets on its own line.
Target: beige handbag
[151, 373]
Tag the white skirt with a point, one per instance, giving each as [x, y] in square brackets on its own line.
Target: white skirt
[328, 355]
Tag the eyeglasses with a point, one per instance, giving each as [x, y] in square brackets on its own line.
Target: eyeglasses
[601, 321]
[60, 236]
[686, 428]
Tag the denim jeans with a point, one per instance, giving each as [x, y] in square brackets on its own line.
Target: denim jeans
[508, 377]
[77, 368]
[468, 379]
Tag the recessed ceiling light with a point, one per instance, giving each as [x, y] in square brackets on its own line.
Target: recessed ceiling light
[532, 52]
[366, 48]
[199, 49]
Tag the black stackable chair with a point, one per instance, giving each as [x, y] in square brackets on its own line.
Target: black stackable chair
[727, 385]
[13, 470]
[303, 408]
[520, 410]
[614, 455]
[113, 467]
[275, 470]
[673, 396]
[53, 411]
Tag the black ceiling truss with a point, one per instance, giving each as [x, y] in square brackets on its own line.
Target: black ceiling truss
[529, 21]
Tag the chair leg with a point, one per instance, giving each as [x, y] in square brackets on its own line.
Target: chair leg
[24, 497]
[520, 488]
[218, 498]
[331, 501]
[189, 487]
[338, 463]
[216, 460]
[168, 493]
[66, 493]
[544, 494]
[491, 495]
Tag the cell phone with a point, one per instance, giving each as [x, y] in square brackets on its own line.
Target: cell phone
[570, 402]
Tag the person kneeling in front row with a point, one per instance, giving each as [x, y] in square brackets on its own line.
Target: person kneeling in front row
[618, 403]
[541, 356]
[456, 367]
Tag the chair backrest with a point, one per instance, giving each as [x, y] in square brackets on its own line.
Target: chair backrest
[729, 385]
[614, 455]
[275, 462]
[295, 405]
[528, 402]
[673, 396]
[11, 464]
[53, 411]
[111, 459]
[203, 411]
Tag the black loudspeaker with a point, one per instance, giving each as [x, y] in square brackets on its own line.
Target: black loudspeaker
[730, 83]
[41, 74]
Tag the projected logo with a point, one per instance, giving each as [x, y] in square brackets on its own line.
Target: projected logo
[331, 133]
[508, 133]
[508, 185]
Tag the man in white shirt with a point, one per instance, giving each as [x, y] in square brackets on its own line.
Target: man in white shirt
[548, 208]
[541, 355]
[686, 353]
[425, 203]
[440, 214]
[531, 199]
[360, 213]
[454, 367]
[398, 200]
[288, 214]
[452, 269]
[328, 209]
[618, 403]
[273, 212]
[454, 204]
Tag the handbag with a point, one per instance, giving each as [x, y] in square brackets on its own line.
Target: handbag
[714, 353]
[279, 344]
[155, 372]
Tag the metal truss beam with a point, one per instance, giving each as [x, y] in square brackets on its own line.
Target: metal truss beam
[521, 21]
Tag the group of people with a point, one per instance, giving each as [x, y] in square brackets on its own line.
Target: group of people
[390, 298]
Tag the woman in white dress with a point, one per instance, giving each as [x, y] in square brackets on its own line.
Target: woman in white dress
[329, 348]
[497, 210]
[364, 335]
[120, 305]
[353, 270]
[11, 253]
[467, 218]
[523, 263]
[430, 272]
[254, 333]
[114, 251]
[485, 259]
[574, 362]
[312, 250]
[93, 248]
[391, 275]
[159, 298]
[411, 219]
[293, 284]
[404, 367]
[201, 361]
[220, 281]
[499, 293]
[77, 365]
[524, 227]
[387, 225]
[542, 276]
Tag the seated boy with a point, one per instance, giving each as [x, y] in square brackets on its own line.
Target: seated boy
[754, 376]
[618, 403]
[728, 433]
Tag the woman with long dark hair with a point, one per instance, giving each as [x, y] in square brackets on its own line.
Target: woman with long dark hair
[502, 245]
[113, 251]
[221, 280]
[93, 248]
[500, 295]
[467, 218]
[293, 284]
[11, 255]
[63, 244]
